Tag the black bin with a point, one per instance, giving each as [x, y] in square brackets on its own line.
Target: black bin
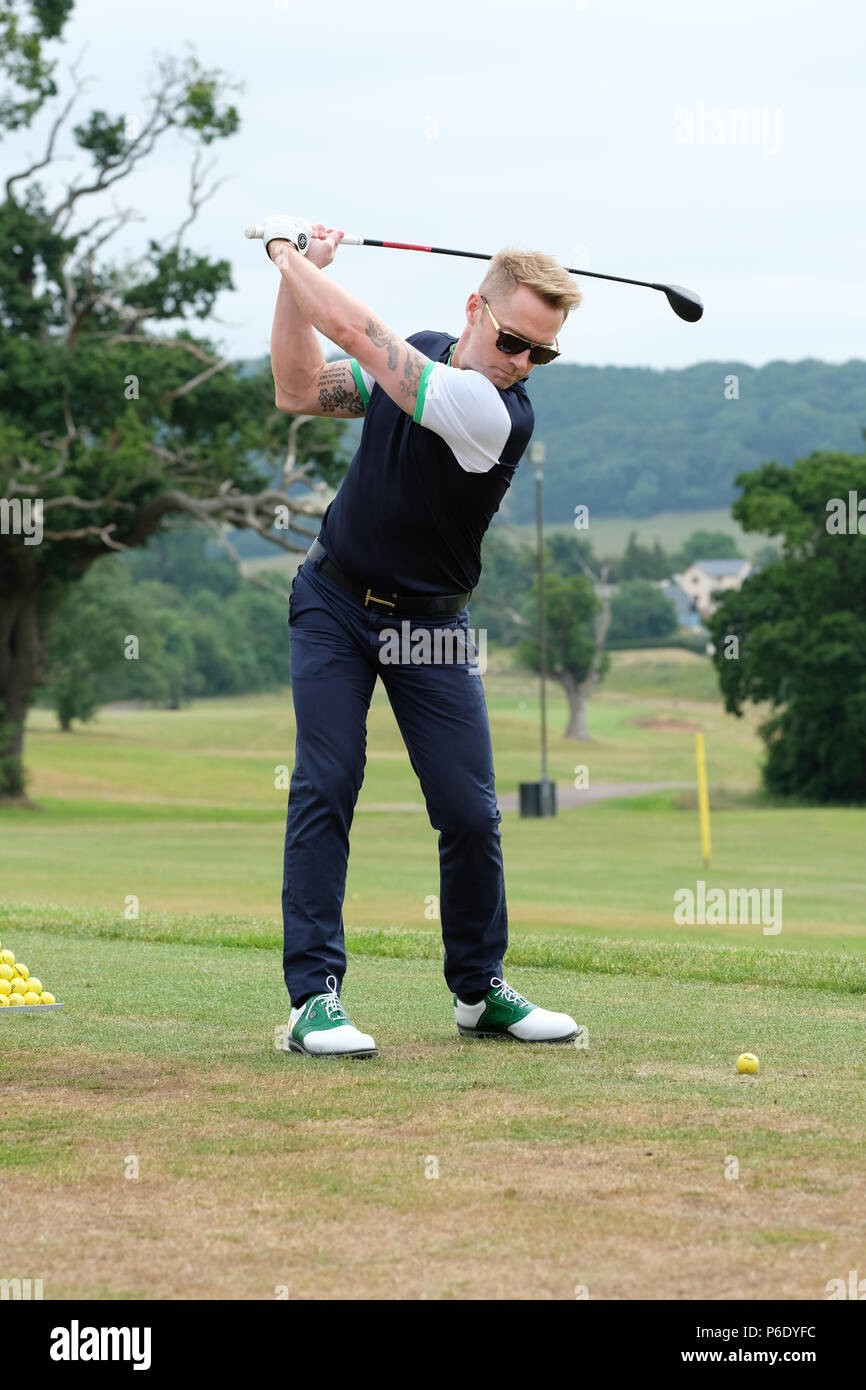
[538, 798]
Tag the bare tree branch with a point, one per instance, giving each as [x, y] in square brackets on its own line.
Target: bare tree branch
[292, 447]
[115, 338]
[254, 512]
[517, 618]
[48, 441]
[84, 262]
[193, 382]
[101, 531]
[78, 503]
[49, 152]
[166, 99]
[253, 577]
[220, 532]
[130, 157]
[169, 455]
[197, 197]
[134, 314]
[86, 231]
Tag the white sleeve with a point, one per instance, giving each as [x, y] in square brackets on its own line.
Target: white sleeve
[465, 409]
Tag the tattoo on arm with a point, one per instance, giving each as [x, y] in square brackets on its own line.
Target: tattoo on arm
[412, 372]
[414, 364]
[380, 337]
[335, 394]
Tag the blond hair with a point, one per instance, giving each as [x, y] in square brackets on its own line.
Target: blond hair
[543, 274]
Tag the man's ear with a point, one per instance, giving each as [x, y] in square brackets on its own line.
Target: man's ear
[473, 304]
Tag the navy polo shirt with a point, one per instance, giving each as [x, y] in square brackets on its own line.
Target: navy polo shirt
[421, 490]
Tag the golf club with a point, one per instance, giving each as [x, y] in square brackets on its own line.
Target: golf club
[685, 303]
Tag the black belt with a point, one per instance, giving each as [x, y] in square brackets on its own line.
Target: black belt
[438, 606]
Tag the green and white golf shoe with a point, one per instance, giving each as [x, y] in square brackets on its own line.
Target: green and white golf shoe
[322, 1028]
[503, 1013]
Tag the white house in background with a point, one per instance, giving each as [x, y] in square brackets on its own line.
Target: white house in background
[687, 614]
[705, 579]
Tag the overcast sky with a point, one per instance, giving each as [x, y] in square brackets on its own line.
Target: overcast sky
[604, 131]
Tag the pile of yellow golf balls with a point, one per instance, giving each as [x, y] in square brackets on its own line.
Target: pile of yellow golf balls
[18, 986]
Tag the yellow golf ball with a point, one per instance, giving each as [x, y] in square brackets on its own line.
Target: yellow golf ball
[19, 985]
[4, 1002]
[6, 971]
[7, 957]
[34, 984]
[16, 999]
[5, 988]
[31, 997]
[747, 1062]
[47, 998]
[22, 970]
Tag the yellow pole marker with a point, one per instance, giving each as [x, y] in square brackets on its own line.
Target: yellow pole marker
[703, 798]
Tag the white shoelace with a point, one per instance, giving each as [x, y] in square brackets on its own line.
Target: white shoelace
[507, 993]
[331, 1000]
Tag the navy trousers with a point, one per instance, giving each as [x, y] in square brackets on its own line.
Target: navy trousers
[337, 653]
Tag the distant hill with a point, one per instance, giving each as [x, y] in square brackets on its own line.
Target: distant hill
[633, 441]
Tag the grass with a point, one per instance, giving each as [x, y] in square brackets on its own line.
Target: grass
[610, 869]
[842, 971]
[227, 752]
[609, 535]
[259, 1172]
[604, 1167]
[185, 811]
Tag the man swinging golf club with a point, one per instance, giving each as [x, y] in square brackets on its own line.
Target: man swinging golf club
[446, 423]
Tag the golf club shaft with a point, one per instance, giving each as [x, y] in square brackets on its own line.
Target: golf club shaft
[482, 256]
[684, 302]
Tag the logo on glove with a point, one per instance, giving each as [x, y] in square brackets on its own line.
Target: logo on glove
[302, 241]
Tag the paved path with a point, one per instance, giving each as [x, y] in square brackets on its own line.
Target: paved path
[567, 796]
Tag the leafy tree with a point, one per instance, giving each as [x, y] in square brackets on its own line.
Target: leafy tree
[509, 570]
[83, 655]
[643, 562]
[110, 421]
[263, 619]
[638, 609]
[576, 625]
[89, 659]
[706, 545]
[179, 555]
[223, 662]
[766, 555]
[506, 574]
[170, 676]
[569, 553]
[800, 625]
[186, 645]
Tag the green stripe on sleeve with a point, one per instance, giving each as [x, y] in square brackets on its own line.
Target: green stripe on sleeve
[360, 382]
[422, 393]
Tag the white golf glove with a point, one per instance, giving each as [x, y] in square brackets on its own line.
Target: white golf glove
[284, 226]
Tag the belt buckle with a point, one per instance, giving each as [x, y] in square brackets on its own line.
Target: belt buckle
[371, 598]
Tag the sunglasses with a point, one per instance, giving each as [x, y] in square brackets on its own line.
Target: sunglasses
[512, 346]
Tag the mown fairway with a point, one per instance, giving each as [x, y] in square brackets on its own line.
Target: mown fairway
[557, 1167]
[181, 810]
